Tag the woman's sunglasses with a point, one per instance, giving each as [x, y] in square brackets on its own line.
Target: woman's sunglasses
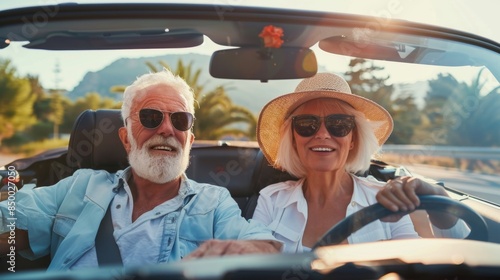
[338, 125]
[152, 118]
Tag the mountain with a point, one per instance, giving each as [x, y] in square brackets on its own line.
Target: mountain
[250, 94]
[125, 70]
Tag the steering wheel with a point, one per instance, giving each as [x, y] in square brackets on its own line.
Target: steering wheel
[352, 223]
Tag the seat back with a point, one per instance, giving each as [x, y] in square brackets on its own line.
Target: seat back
[227, 166]
[264, 175]
[244, 171]
[94, 142]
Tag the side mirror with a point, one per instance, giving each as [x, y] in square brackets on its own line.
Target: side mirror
[252, 63]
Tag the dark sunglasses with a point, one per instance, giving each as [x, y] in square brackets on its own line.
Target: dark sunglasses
[338, 125]
[152, 118]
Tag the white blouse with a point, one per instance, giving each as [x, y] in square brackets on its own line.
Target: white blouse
[283, 208]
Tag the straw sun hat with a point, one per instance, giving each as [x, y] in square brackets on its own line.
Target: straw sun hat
[321, 85]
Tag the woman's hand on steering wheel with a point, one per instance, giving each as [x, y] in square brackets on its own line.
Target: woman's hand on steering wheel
[401, 195]
[430, 203]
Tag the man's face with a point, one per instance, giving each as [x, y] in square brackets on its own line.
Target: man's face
[161, 154]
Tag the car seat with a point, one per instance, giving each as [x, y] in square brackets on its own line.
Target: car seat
[94, 142]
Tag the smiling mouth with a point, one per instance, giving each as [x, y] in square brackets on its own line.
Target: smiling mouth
[163, 148]
[322, 149]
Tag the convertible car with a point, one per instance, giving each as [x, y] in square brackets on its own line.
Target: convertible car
[63, 68]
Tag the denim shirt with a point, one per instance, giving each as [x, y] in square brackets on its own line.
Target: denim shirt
[63, 219]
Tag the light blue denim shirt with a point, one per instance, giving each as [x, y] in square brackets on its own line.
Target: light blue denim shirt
[63, 219]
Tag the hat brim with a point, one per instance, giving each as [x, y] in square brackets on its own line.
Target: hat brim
[274, 114]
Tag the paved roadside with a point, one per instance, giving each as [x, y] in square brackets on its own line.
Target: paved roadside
[8, 158]
[485, 186]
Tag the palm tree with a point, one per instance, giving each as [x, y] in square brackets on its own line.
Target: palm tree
[476, 115]
[470, 116]
[216, 116]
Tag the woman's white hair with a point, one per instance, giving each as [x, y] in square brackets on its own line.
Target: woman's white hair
[136, 91]
[365, 145]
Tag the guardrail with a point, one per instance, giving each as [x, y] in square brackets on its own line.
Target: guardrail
[481, 153]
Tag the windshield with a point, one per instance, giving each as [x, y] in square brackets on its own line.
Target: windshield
[435, 68]
[442, 97]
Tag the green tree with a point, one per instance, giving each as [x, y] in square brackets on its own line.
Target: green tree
[91, 100]
[365, 81]
[42, 128]
[16, 112]
[465, 115]
[49, 110]
[473, 115]
[36, 89]
[56, 109]
[217, 116]
[449, 103]
[437, 111]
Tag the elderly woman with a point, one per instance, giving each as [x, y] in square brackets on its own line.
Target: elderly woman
[323, 135]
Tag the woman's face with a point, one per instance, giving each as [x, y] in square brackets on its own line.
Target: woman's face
[322, 152]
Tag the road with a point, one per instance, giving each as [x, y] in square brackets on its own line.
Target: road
[481, 185]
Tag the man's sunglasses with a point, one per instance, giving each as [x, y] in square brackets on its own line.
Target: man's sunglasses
[152, 118]
[338, 125]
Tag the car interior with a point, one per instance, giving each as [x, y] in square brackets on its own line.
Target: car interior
[242, 169]
[239, 165]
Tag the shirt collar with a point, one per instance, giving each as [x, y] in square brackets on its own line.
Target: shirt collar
[185, 188]
[296, 195]
[358, 196]
[122, 176]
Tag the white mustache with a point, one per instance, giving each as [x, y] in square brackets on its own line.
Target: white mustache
[158, 140]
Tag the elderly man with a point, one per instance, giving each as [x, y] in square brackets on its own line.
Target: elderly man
[158, 214]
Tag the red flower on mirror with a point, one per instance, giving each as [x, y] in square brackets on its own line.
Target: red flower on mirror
[271, 35]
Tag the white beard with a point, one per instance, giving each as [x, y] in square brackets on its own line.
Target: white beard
[158, 169]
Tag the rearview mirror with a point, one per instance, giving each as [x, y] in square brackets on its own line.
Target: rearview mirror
[251, 63]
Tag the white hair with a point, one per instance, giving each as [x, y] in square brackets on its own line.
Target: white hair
[135, 90]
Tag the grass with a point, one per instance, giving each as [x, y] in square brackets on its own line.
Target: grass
[34, 148]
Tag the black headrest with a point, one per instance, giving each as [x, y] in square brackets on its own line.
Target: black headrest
[227, 166]
[265, 174]
[94, 141]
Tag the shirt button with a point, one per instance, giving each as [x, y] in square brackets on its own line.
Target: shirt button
[353, 203]
[157, 213]
[118, 206]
